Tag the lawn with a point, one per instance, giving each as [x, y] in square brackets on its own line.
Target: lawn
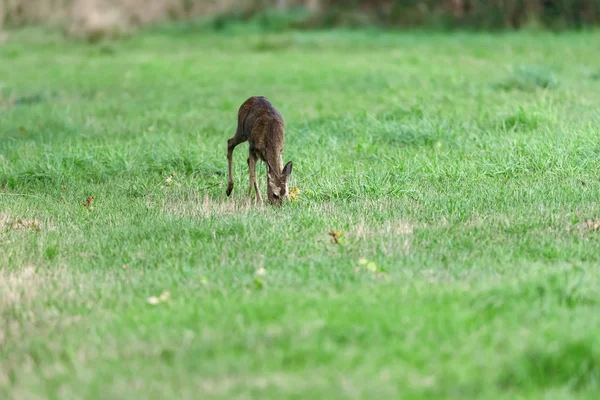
[462, 172]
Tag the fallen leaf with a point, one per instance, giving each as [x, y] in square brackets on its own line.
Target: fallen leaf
[335, 236]
[153, 300]
[294, 193]
[165, 296]
[88, 203]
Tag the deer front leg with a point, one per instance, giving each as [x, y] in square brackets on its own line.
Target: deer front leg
[252, 159]
[252, 170]
[259, 197]
[231, 143]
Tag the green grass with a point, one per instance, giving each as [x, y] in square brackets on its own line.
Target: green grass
[465, 166]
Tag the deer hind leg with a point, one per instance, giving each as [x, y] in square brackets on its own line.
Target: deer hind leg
[231, 143]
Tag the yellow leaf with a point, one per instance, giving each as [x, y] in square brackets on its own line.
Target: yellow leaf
[153, 300]
[294, 193]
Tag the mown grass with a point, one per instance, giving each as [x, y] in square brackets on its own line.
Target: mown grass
[463, 168]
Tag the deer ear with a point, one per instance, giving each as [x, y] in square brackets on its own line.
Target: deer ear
[287, 170]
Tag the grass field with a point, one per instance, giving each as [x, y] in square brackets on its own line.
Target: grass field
[462, 171]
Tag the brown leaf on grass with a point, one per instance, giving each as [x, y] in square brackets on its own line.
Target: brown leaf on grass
[89, 202]
[335, 236]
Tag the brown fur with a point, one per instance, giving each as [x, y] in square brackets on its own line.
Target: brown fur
[262, 126]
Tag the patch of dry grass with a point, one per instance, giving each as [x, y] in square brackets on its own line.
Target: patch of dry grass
[18, 223]
[196, 205]
[18, 287]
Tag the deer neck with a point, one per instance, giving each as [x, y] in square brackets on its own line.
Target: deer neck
[276, 163]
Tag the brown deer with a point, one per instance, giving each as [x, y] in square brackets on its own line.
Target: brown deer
[262, 126]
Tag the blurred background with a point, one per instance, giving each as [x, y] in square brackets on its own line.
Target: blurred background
[94, 19]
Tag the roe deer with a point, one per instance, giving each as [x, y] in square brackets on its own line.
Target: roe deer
[262, 126]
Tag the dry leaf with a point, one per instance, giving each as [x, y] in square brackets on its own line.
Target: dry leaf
[165, 296]
[335, 236]
[153, 300]
[294, 193]
[89, 202]
[169, 180]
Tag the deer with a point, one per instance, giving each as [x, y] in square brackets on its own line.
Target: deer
[263, 127]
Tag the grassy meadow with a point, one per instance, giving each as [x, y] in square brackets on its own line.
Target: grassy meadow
[460, 170]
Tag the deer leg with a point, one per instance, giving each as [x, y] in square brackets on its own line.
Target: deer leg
[253, 184]
[231, 143]
[258, 196]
